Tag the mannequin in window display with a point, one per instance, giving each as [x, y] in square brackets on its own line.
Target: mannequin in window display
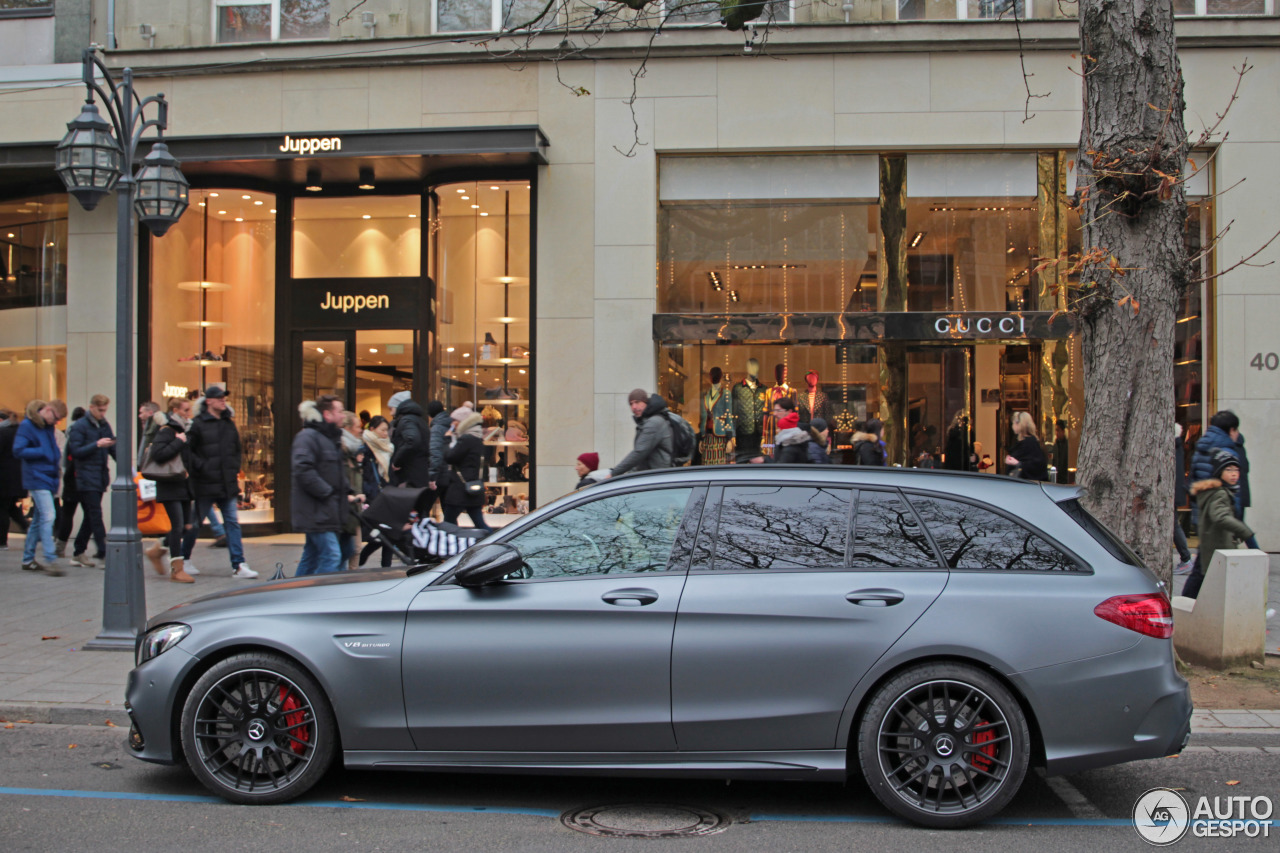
[716, 424]
[813, 401]
[749, 399]
[780, 391]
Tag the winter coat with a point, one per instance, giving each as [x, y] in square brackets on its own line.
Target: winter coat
[91, 460]
[165, 445]
[653, 440]
[866, 449]
[318, 475]
[1219, 527]
[790, 447]
[411, 438]
[37, 450]
[959, 448]
[153, 426]
[1032, 464]
[371, 482]
[439, 472]
[215, 455]
[10, 466]
[355, 480]
[1213, 440]
[818, 452]
[467, 458]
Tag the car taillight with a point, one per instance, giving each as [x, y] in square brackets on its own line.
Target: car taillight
[1148, 614]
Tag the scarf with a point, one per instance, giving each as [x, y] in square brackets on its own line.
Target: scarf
[351, 444]
[381, 448]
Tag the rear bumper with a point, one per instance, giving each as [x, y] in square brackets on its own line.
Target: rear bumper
[1107, 710]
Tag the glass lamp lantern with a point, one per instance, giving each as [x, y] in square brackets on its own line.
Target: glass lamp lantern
[88, 159]
[162, 190]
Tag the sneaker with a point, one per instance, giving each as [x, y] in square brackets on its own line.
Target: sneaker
[1271, 611]
[243, 571]
[51, 571]
[82, 560]
[219, 542]
[1185, 568]
[32, 566]
[192, 570]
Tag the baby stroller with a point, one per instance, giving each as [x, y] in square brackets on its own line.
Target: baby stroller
[399, 518]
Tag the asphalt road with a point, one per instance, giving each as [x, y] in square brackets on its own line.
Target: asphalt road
[94, 797]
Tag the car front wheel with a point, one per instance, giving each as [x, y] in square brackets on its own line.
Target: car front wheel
[258, 730]
[944, 745]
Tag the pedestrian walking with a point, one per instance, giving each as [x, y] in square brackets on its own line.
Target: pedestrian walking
[375, 473]
[90, 442]
[790, 442]
[1180, 494]
[587, 465]
[867, 446]
[67, 499]
[169, 441]
[821, 435]
[438, 469]
[959, 455]
[37, 450]
[465, 455]
[1223, 434]
[411, 437]
[147, 427]
[353, 453]
[215, 447]
[11, 490]
[1026, 457]
[653, 442]
[319, 486]
[1219, 526]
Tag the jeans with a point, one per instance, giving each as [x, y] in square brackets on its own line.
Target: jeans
[231, 520]
[41, 526]
[66, 514]
[10, 511]
[373, 546]
[1180, 540]
[91, 503]
[476, 513]
[321, 554]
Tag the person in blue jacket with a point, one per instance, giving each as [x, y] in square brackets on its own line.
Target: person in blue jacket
[37, 449]
[89, 442]
[1223, 434]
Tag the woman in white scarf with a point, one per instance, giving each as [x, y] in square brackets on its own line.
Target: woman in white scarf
[377, 439]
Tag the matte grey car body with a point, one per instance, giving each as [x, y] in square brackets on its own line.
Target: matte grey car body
[937, 631]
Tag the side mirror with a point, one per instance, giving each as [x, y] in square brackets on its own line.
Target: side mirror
[487, 563]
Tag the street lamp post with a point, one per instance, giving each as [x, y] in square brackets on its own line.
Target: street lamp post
[91, 163]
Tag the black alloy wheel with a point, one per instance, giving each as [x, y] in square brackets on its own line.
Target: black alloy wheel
[258, 730]
[944, 745]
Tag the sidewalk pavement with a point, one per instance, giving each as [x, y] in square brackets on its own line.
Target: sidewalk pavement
[46, 676]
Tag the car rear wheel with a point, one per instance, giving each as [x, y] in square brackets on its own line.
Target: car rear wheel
[944, 745]
[257, 729]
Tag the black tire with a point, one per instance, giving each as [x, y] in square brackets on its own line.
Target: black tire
[258, 730]
[944, 745]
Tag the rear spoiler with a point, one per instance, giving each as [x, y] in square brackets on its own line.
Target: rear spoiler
[1062, 493]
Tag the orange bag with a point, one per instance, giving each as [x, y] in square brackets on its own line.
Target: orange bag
[152, 518]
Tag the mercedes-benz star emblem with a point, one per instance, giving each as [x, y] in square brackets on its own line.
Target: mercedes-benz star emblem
[257, 730]
[1161, 816]
[944, 746]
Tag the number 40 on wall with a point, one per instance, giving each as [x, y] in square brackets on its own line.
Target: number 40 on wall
[1269, 360]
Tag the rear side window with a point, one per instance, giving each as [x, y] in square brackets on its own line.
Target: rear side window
[888, 536]
[781, 527]
[976, 539]
[1102, 534]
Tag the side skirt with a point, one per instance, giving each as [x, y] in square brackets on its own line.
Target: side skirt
[816, 765]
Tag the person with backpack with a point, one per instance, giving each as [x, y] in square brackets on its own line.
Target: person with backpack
[654, 443]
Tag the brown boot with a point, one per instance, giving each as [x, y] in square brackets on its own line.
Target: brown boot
[156, 555]
[177, 575]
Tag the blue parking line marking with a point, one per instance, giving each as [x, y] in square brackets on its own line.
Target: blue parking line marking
[999, 821]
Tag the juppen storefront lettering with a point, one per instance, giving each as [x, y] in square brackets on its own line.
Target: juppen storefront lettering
[311, 144]
[354, 303]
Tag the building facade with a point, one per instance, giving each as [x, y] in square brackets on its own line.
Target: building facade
[845, 206]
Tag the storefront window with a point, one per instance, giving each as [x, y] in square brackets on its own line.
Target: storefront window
[33, 252]
[213, 323]
[369, 237]
[482, 231]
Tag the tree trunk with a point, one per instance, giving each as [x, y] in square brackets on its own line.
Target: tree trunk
[1133, 136]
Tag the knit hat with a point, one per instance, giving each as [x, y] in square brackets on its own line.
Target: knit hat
[790, 420]
[397, 399]
[434, 408]
[1222, 460]
[591, 460]
[461, 413]
[639, 395]
[818, 425]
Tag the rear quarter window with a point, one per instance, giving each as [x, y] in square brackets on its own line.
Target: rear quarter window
[974, 538]
[1101, 534]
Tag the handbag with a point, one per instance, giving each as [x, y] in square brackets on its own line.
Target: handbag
[172, 471]
[476, 487]
[152, 519]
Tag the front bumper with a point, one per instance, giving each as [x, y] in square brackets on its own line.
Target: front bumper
[151, 698]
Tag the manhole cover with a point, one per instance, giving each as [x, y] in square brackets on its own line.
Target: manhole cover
[645, 820]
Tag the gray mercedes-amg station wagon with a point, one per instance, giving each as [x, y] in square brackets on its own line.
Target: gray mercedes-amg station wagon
[936, 632]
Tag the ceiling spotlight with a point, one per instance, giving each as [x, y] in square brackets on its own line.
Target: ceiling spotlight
[202, 204]
[239, 219]
[466, 198]
[313, 181]
[213, 195]
[222, 213]
[366, 178]
[461, 190]
[246, 197]
[475, 207]
[495, 187]
[916, 239]
[366, 216]
[273, 210]
[733, 295]
[320, 350]
[483, 214]
[413, 216]
[466, 355]
[714, 278]
[257, 204]
[373, 349]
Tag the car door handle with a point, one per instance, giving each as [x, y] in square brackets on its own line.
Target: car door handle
[630, 597]
[875, 597]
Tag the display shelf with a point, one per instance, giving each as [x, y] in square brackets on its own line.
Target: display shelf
[503, 362]
[204, 362]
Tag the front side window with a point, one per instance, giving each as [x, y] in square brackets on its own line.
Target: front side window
[269, 20]
[888, 536]
[781, 527]
[615, 535]
[978, 539]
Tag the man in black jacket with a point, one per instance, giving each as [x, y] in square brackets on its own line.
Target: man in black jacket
[411, 440]
[214, 441]
[90, 442]
[320, 486]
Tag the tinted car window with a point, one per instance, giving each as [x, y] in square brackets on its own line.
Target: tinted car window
[888, 536]
[618, 534]
[781, 527]
[1101, 534]
[978, 539]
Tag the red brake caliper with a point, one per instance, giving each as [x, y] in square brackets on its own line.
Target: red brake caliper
[289, 702]
[990, 751]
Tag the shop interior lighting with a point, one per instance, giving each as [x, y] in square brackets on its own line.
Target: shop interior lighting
[768, 266]
[213, 195]
[714, 278]
[448, 349]
[917, 239]
[313, 181]
[733, 295]
[366, 216]
[259, 204]
[246, 196]
[461, 190]
[222, 213]
[373, 349]
[366, 178]
[482, 213]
